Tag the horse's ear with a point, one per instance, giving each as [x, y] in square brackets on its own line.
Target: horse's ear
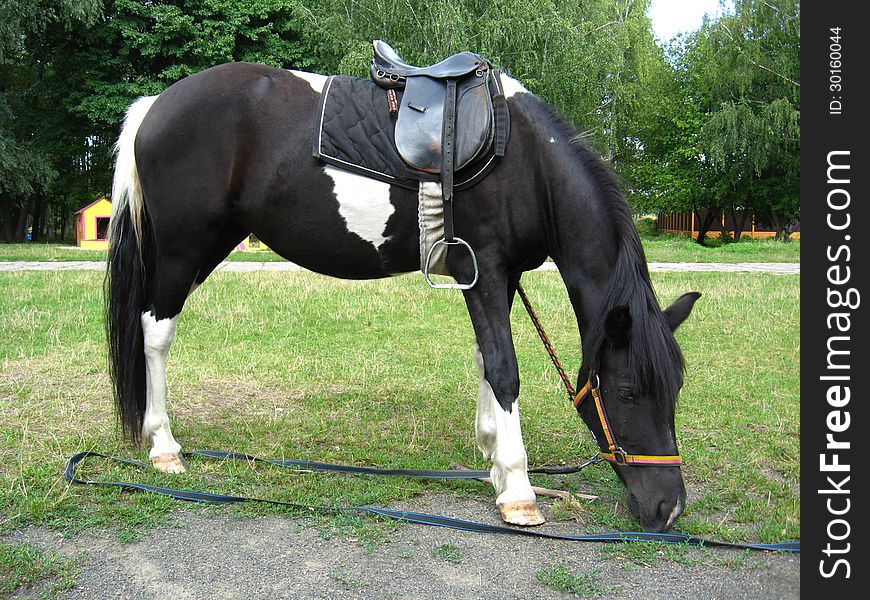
[679, 311]
[617, 326]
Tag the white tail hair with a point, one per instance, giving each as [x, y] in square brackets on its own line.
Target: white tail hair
[126, 189]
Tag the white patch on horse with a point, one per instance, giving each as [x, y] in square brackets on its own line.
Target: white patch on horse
[158, 336]
[499, 436]
[552, 140]
[511, 86]
[126, 188]
[363, 203]
[484, 420]
[315, 80]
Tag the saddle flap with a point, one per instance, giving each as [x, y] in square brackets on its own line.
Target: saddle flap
[419, 126]
[420, 122]
[474, 121]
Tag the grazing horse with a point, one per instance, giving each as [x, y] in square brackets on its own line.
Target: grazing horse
[227, 152]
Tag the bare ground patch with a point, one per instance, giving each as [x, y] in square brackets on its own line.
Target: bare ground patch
[208, 555]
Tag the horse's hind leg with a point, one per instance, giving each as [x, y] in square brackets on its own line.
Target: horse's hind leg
[165, 453]
[179, 271]
[498, 418]
[172, 281]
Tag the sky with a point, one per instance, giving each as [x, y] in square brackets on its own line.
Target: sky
[670, 17]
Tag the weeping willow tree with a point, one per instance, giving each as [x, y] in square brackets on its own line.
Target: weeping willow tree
[721, 131]
[752, 135]
[586, 57]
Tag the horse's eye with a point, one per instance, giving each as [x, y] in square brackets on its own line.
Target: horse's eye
[626, 394]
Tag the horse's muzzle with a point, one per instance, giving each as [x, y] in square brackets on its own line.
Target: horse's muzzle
[656, 495]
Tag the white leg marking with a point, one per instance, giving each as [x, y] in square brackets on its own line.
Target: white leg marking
[363, 203]
[155, 428]
[315, 80]
[484, 420]
[509, 470]
[499, 436]
[511, 86]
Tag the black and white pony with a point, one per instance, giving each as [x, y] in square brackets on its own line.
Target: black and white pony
[227, 152]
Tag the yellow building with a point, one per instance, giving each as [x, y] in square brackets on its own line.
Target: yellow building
[251, 244]
[92, 224]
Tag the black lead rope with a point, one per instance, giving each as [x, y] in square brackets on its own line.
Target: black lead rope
[411, 517]
[307, 465]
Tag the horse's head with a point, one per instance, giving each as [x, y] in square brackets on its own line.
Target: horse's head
[633, 420]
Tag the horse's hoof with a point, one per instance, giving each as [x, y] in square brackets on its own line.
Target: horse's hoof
[521, 513]
[169, 463]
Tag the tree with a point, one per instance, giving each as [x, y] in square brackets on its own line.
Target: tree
[753, 133]
[722, 130]
[28, 148]
[68, 74]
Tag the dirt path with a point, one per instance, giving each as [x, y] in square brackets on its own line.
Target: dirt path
[208, 556]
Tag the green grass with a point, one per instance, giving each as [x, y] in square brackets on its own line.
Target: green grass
[663, 247]
[24, 567]
[297, 365]
[677, 248]
[66, 252]
[583, 584]
[449, 553]
[658, 247]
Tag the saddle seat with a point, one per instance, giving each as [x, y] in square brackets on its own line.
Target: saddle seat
[388, 60]
[445, 116]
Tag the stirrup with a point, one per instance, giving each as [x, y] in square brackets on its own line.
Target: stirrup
[451, 286]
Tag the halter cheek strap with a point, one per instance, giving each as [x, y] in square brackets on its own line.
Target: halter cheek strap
[615, 453]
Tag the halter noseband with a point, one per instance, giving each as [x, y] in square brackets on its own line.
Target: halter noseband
[615, 453]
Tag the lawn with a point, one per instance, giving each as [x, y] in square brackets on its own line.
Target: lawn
[677, 248]
[296, 365]
[66, 252]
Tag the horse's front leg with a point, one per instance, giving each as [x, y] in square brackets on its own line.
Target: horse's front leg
[498, 417]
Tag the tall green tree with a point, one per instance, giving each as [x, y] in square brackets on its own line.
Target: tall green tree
[752, 136]
[671, 173]
[724, 131]
[29, 148]
[71, 67]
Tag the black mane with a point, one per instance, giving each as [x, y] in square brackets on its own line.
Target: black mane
[654, 356]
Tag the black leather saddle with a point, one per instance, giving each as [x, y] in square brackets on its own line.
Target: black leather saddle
[446, 114]
[450, 114]
[389, 61]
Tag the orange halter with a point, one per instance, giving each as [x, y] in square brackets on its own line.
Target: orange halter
[615, 453]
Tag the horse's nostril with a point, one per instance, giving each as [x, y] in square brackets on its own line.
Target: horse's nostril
[664, 511]
[668, 513]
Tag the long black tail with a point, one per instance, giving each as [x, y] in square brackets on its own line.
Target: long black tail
[125, 298]
[126, 284]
